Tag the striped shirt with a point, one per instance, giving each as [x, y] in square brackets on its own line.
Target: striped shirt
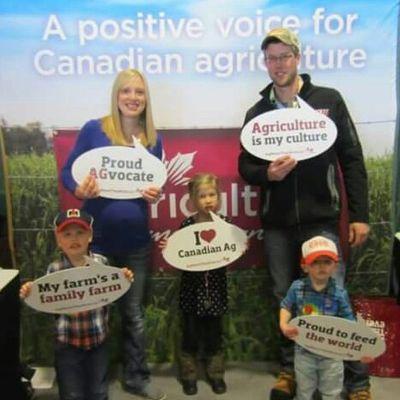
[85, 329]
[303, 299]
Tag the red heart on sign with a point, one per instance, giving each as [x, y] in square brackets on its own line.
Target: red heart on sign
[208, 236]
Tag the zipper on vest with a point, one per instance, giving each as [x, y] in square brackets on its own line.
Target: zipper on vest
[331, 181]
[296, 197]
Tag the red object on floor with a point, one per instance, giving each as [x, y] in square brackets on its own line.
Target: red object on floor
[383, 315]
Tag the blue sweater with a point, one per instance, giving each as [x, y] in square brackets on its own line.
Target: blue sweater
[120, 226]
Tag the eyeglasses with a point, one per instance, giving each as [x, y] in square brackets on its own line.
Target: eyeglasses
[283, 58]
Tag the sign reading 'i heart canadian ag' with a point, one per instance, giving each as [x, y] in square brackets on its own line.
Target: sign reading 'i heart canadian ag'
[208, 236]
[205, 246]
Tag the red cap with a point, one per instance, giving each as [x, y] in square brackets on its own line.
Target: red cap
[73, 216]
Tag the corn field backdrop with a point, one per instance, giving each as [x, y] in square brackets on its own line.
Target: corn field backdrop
[33, 180]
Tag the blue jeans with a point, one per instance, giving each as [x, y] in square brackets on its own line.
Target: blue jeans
[283, 254]
[316, 372]
[81, 374]
[136, 373]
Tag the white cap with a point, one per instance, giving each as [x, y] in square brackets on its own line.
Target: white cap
[319, 246]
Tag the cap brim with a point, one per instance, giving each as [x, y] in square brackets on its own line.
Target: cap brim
[312, 257]
[75, 221]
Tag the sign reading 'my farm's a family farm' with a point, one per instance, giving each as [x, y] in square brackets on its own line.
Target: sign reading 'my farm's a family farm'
[78, 289]
[122, 172]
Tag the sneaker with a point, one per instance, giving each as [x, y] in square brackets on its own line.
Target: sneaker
[363, 394]
[147, 392]
[284, 388]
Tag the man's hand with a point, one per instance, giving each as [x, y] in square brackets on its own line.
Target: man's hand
[358, 233]
[280, 168]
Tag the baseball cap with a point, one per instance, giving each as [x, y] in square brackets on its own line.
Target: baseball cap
[319, 246]
[283, 35]
[73, 216]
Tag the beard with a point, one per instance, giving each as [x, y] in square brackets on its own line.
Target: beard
[286, 81]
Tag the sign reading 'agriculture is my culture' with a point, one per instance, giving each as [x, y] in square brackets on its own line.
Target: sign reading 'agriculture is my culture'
[122, 172]
[205, 246]
[300, 132]
[78, 289]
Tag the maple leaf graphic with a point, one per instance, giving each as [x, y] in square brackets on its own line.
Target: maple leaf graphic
[178, 166]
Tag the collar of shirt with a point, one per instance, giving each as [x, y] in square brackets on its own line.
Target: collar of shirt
[292, 104]
[329, 288]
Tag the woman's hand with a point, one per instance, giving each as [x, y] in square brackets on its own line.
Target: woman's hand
[88, 189]
[151, 194]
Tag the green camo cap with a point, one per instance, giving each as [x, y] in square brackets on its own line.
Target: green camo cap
[283, 35]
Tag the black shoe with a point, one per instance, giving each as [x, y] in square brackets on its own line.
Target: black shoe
[218, 385]
[317, 395]
[279, 395]
[189, 386]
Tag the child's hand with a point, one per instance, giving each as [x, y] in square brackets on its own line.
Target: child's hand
[162, 243]
[289, 331]
[246, 246]
[128, 274]
[367, 359]
[25, 290]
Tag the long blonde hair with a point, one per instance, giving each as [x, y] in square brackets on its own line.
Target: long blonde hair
[111, 124]
[202, 179]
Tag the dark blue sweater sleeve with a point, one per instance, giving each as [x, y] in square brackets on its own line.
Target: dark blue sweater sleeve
[83, 144]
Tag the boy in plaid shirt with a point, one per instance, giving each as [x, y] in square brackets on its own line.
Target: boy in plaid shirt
[316, 294]
[81, 358]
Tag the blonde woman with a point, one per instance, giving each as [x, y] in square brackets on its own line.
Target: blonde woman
[121, 227]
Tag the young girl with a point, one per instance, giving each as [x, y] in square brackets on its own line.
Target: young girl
[203, 299]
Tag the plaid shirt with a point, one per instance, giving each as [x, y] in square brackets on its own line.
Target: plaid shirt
[85, 329]
[303, 299]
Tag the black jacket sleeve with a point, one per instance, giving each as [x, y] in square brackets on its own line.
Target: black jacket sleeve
[352, 164]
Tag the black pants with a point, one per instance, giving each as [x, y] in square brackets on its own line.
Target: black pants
[201, 333]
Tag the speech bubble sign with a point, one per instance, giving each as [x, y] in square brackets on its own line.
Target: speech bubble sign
[205, 246]
[77, 289]
[6, 276]
[122, 172]
[337, 338]
[300, 132]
